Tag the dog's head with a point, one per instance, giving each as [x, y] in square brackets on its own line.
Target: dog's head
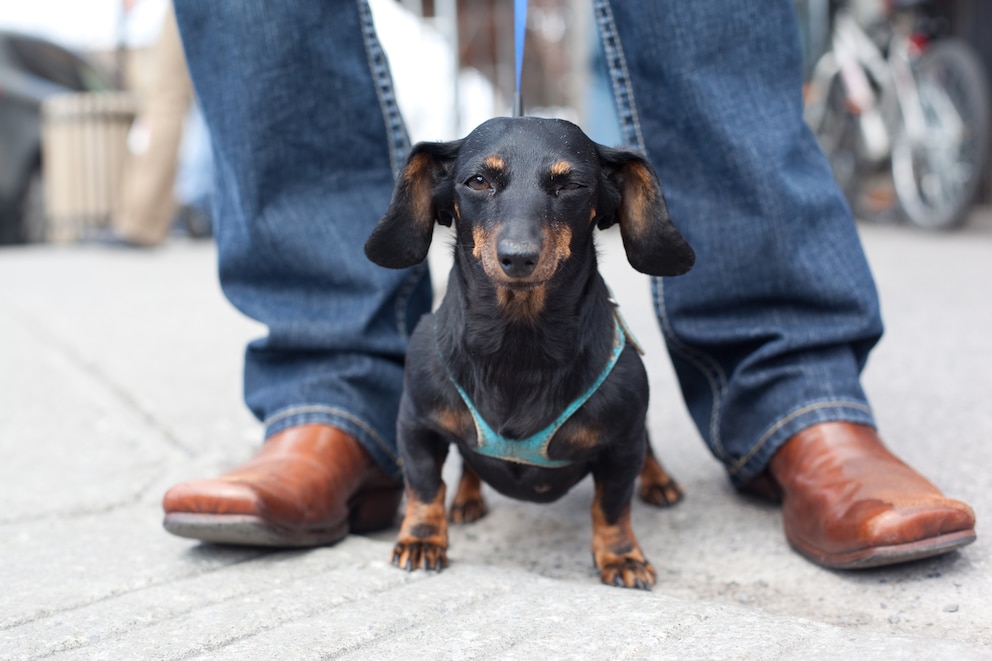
[523, 192]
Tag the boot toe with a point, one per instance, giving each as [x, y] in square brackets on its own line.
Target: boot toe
[849, 503]
[212, 497]
[913, 524]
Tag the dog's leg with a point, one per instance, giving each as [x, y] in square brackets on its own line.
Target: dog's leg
[657, 487]
[468, 505]
[423, 538]
[615, 550]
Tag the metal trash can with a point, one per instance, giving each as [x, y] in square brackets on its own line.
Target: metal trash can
[84, 143]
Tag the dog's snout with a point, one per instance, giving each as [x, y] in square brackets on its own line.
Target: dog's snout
[518, 259]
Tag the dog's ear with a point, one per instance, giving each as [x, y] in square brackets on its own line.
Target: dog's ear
[631, 196]
[423, 195]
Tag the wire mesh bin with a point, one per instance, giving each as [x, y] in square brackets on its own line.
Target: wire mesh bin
[84, 139]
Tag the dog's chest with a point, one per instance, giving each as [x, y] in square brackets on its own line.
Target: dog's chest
[524, 481]
[529, 468]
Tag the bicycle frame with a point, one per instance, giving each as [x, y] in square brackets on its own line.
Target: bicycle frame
[879, 90]
[884, 95]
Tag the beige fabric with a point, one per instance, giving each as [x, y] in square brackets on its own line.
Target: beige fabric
[148, 204]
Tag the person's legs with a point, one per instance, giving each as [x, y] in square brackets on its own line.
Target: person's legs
[770, 330]
[147, 202]
[306, 138]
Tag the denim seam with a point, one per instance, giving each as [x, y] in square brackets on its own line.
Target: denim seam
[399, 141]
[782, 422]
[630, 126]
[333, 411]
[706, 364]
[616, 61]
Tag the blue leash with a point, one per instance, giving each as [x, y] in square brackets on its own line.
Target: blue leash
[519, 33]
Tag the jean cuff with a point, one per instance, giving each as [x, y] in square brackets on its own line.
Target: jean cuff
[384, 456]
[752, 464]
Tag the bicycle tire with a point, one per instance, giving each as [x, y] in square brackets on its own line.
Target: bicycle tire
[936, 183]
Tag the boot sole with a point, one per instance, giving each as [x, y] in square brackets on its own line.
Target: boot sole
[246, 530]
[372, 510]
[881, 556]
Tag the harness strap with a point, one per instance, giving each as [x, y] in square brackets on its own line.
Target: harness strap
[533, 450]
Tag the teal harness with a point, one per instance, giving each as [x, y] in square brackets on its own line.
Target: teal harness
[533, 450]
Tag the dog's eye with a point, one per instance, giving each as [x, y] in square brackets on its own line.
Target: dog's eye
[571, 185]
[478, 182]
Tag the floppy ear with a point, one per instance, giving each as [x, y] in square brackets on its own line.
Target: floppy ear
[423, 195]
[631, 196]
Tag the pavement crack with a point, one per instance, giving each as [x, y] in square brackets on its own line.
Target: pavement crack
[54, 341]
[69, 514]
[46, 613]
[380, 637]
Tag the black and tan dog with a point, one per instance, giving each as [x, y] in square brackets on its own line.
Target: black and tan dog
[526, 365]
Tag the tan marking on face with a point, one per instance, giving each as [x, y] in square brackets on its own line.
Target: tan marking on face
[561, 246]
[561, 168]
[522, 305]
[556, 248]
[494, 163]
[480, 243]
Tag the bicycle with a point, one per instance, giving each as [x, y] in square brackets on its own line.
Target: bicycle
[894, 93]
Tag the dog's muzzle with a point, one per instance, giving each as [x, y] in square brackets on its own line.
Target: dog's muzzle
[518, 259]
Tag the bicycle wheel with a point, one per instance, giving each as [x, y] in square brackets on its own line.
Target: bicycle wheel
[937, 176]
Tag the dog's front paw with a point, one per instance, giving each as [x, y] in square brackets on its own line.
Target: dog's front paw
[416, 555]
[625, 571]
[423, 538]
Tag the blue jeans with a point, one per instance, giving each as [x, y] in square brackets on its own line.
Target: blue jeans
[768, 333]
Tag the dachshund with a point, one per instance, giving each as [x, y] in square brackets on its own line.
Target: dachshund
[527, 365]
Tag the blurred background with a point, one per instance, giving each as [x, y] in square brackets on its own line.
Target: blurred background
[101, 138]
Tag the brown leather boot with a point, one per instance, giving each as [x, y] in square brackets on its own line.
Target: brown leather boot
[849, 503]
[307, 486]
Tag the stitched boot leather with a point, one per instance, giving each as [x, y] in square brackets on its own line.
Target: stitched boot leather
[306, 486]
[849, 503]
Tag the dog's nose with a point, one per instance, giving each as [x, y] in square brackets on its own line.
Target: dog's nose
[517, 258]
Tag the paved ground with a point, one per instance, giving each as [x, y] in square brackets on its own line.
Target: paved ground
[120, 375]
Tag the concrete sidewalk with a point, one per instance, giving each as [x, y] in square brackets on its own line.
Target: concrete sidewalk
[120, 375]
